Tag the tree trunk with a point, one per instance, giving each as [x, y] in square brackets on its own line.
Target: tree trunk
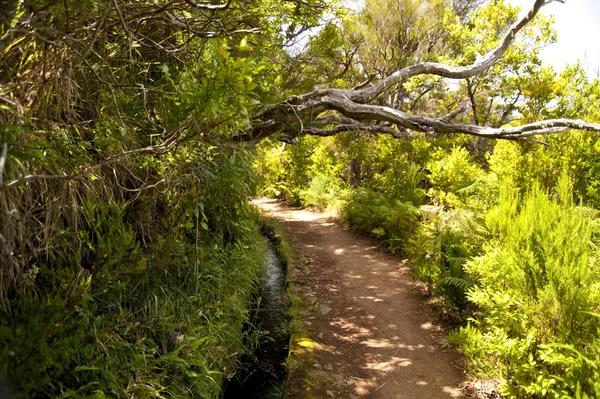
[355, 173]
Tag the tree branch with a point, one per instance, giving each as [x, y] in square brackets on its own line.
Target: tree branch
[356, 127]
[471, 94]
[209, 6]
[154, 149]
[448, 71]
[3, 157]
[453, 114]
[355, 105]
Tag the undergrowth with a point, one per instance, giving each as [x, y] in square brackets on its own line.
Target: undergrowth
[390, 221]
[537, 297]
[438, 250]
[144, 298]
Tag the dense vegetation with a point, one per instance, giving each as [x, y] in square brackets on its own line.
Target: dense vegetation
[504, 232]
[130, 258]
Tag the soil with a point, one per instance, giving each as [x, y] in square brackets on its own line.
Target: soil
[368, 331]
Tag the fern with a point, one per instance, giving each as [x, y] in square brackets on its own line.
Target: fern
[537, 291]
[462, 284]
[389, 220]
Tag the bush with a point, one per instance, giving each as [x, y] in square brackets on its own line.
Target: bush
[391, 221]
[141, 298]
[395, 168]
[443, 242]
[324, 193]
[450, 174]
[537, 284]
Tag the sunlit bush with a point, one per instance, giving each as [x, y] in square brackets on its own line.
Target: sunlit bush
[391, 221]
[538, 284]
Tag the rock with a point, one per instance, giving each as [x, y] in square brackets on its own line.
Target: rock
[325, 309]
[330, 394]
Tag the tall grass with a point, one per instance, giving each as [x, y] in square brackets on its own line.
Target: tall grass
[140, 298]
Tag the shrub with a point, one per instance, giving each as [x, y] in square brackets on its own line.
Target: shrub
[450, 174]
[324, 193]
[537, 284]
[141, 298]
[441, 245]
[403, 181]
[391, 221]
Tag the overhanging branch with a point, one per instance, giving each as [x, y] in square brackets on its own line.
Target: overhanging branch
[448, 71]
[356, 105]
[209, 6]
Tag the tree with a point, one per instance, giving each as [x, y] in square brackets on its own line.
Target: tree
[147, 78]
[323, 112]
[97, 98]
[326, 112]
[120, 189]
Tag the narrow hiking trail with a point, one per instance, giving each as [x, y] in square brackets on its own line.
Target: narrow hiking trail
[369, 327]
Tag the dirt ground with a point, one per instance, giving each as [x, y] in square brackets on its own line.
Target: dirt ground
[369, 332]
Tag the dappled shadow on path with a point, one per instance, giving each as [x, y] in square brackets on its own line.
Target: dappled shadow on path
[371, 334]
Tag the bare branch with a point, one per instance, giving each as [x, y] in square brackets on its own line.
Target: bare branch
[209, 6]
[454, 72]
[355, 110]
[154, 149]
[357, 127]
[348, 124]
[343, 104]
[451, 115]
[366, 82]
[3, 156]
[471, 93]
[125, 28]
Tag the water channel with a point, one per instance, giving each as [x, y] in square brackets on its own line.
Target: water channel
[263, 374]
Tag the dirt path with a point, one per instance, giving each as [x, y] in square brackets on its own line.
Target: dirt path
[370, 334]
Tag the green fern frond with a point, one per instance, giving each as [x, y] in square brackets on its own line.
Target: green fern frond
[457, 282]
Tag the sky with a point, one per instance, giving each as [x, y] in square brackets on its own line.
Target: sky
[578, 25]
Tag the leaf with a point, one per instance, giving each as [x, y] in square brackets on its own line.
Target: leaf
[379, 232]
[85, 368]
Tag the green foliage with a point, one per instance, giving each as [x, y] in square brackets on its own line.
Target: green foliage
[396, 168]
[129, 253]
[324, 193]
[391, 221]
[450, 174]
[537, 283]
[130, 257]
[148, 298]
[511, 266]
[438, 250]
[309, 173]
[415, 28]
[519, 78]
[524, 165]
[284, 170]
[575, 153]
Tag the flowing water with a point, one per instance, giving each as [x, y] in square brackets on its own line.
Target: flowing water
[264, 373]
